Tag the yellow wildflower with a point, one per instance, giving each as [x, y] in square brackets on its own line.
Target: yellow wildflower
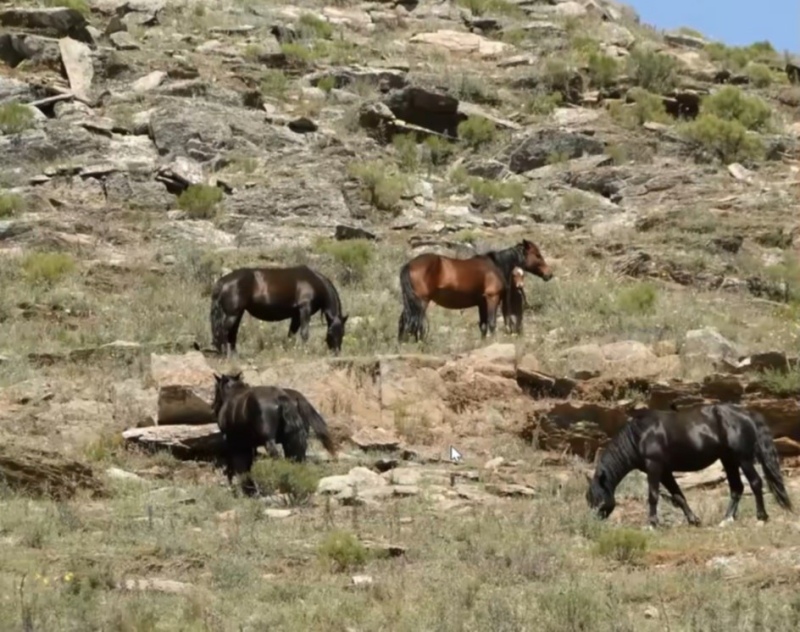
[69, 577]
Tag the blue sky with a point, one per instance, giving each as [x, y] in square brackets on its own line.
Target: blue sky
[734, 22]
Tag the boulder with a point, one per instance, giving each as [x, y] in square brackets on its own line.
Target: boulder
[537, 148]
[186, 442]
[185, 386]
[43, 473]
[708, 343]
[462, 42]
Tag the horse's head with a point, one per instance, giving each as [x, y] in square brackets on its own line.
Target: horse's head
[223, 385]
[335, 333]
[534, 262]
[598, 496]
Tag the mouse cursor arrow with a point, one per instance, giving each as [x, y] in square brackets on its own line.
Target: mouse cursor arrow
[455, 455]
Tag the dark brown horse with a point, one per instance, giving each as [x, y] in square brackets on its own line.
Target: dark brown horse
[660, 442]
[274, 294]
[517, 301]
[480, 281]
[250, 416]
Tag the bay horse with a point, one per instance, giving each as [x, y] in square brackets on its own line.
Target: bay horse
[660, 442]
[517, 301]
[479, 281]
[274, 294]
[250, 416]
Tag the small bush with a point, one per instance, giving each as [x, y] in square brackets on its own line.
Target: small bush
[603, 70]
[731, 104]
[638, 299]
[312, 27]
[437, 150]
[492, 7]
[47, 268]
[274, 83]
[352, 255]
[558, 76]
[544, 103]
[652, 71]
[298, 481]
[623, 545]
[781, 383]
[476, 131]
[81, 6]
[382, 186]
[646, 107]
[15, 118]
[486, 192]
[199, 201]
[11, 204]
[343, 550]
[406, 151]
[327, 84]
[299, 53]
[727, 140]
[759, 74]
[737, 57]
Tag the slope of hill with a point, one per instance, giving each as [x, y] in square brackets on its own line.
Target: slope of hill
[148, 146]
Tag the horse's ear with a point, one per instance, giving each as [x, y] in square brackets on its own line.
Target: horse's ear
[217, 377]
[526, 244]
[344, 318]
[236, 376]
[588, 476]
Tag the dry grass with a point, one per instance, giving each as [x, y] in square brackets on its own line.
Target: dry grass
[474, 561]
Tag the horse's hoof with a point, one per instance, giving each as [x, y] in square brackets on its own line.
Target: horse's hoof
[726, 522]
[760, 523]
[650, 527]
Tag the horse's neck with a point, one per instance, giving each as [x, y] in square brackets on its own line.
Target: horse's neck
[618, 460]
[506, 260]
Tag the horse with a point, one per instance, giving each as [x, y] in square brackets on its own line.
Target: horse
[479, 281]
[274, 294]
[660, 442]
[249, 416]
[517, 301]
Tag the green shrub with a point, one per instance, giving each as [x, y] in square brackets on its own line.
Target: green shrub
[298, 481]
[11, 204]
[726, 139]
[737, 57]
[646, 107]
[492, 7]
[343, 550]
[47, 268]
[199, 201]
[476, 131]
[352, 255]
[759, 74]
[15, 118]
[327, 84]
[299, 53]
[731, 104]
[557, 75]
[81, 6]
[544, 103]
[638, 299]
[622, 545]
[383, 188]
[407, 152]
[603, 70]
[274, 83]
[652, 71]
[487, 192]
[437, 150]
[312, 27]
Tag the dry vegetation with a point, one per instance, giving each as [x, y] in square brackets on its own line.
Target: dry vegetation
[650, 236]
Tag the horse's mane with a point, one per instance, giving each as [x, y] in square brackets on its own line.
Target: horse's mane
[620, 454]
[507, 258]
[333, 295]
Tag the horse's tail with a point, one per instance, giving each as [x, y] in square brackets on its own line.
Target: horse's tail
[217, 317]
[316, 421]
[768, 457]
[413, 315]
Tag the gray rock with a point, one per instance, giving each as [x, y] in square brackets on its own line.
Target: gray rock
[536, 149]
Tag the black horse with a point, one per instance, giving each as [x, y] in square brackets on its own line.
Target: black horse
[274, 294]
[660, 442]
[250, 416]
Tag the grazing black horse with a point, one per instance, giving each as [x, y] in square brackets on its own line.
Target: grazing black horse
[660, 442]
[274, 294]
[250, 416]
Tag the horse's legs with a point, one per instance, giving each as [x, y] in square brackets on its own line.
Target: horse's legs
[231, 325]
[736, 487]
[757, 485]
[671, 485]
[294, 325]
[492, 306]
[304, 315]
[483, 316]
[654, 476]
